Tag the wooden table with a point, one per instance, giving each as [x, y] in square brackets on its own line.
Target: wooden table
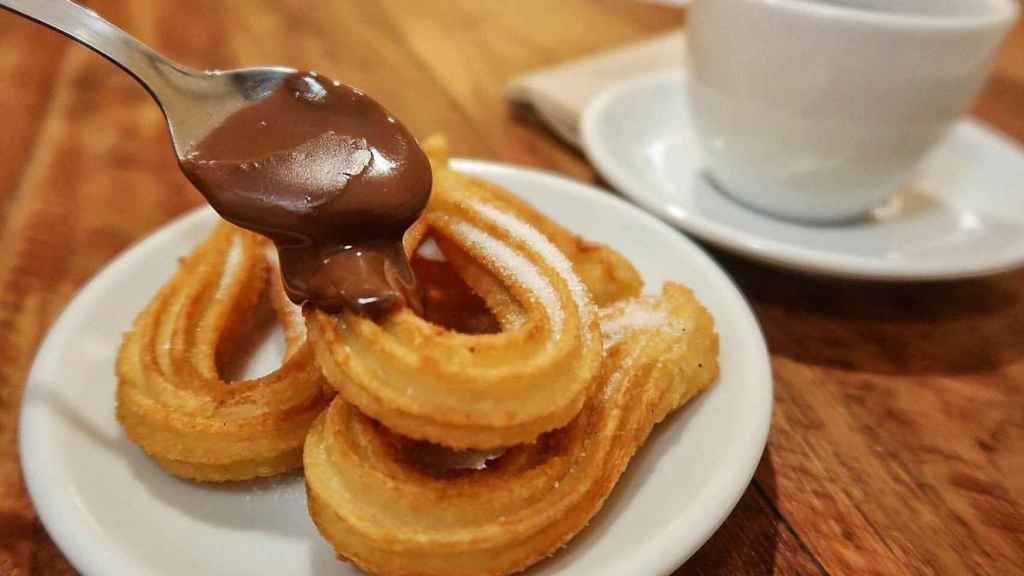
[897, 444]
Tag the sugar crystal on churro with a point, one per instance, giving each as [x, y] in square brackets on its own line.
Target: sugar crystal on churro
[520, 268]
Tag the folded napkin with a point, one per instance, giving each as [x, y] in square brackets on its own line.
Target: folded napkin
[557, 95]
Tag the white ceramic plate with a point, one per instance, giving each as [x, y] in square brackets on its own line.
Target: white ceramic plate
[962, 216]
[113, 511]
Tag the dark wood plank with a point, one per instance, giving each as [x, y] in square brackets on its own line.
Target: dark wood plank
[498, 41]
[754, 541]
[27, 85]
[99, 177]
[897, 426]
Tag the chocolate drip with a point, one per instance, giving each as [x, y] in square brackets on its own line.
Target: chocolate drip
[333, 179]
[448, 301]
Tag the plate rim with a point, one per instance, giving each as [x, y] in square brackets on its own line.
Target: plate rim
[764, 248]
[661, 555]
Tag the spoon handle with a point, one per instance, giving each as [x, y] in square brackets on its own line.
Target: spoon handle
[160, 76]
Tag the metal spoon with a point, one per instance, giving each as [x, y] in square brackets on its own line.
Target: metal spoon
[193, 101]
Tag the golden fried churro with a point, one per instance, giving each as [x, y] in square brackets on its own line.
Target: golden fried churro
[171, 398]
[473, 390]
[607, 274]
[377, 502]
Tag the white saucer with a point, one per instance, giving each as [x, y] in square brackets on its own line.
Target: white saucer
[113, 511]
[962, 216]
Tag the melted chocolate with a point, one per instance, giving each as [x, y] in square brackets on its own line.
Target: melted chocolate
[333, 179]
[448, 301]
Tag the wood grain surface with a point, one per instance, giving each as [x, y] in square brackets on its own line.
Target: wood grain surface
[897, 445]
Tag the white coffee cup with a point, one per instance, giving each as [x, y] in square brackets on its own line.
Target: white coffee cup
[819, 110]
